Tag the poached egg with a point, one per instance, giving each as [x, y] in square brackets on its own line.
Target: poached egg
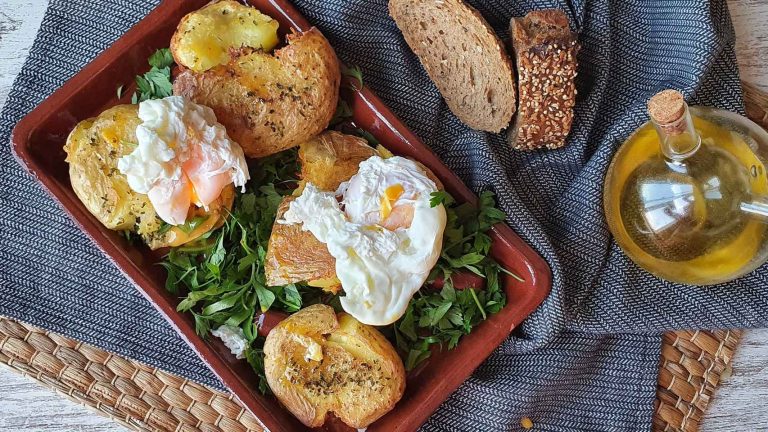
[183, 157]
[384, 234]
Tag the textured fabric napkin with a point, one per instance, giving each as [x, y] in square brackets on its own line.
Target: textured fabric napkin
[587, 359]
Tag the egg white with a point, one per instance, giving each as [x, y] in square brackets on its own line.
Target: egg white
[183, 157]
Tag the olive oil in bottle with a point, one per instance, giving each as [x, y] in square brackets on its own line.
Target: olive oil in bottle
[686, 196]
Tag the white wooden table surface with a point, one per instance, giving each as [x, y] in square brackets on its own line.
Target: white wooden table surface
[740, 403]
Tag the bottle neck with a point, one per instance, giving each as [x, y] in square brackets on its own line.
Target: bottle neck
[678, 139]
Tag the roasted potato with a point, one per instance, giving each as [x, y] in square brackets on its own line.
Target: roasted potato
[205, 37]
[317, 362]
[294, 255]
[269, 103]
[331, 158]
[93, 149]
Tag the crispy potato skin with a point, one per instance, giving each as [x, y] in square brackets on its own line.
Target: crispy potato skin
[235, 26]
[359, 377]
[294, 255]
[93, 149]
[270, 103]
[332, 158]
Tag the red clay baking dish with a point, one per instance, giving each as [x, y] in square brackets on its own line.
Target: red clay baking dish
[38, 142]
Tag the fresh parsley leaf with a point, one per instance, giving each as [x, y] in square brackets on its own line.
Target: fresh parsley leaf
[440, 197]
[202, 327]
[465, 260]
[156, 83]
[292, 298]
[128, 236]
[255, 358]
[353, 72]
[489, 215]
[191, 224]
[160, 81]
[266, 297]
[164, 227]
[219, 254]
[368, 136]
[161, 58]
[416, 356]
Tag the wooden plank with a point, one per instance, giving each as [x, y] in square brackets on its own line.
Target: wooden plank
[19, 21]
[30, 407]
[750, 18]
[739, 403]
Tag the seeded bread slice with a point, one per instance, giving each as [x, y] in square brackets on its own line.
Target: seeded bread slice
[545, 52]
[463, 57]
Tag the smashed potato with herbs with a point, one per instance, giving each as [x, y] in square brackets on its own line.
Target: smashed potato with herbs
[270, 102]
[93, 149]
[317, 363]
[295, 255]
[234, 25]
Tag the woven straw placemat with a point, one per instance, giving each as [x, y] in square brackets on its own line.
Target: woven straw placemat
[143, 398]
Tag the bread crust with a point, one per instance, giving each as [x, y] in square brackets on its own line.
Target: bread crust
[545, 51]
[270, 102]
[463, 57]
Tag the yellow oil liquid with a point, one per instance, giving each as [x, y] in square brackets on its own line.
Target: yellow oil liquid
[682, 220]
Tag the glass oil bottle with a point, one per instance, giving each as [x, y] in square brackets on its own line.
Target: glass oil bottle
[686, 196]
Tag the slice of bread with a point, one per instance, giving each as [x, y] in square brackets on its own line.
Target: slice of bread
[463, 57]
[545, 52]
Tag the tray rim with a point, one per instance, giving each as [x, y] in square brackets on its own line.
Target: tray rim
[21, 148]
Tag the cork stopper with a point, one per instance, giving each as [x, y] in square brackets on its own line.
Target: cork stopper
[667, 109]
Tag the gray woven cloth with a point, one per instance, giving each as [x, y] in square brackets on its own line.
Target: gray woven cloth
[587, 359]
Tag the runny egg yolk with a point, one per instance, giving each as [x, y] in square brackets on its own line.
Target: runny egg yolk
[204, 187]
[391, 194]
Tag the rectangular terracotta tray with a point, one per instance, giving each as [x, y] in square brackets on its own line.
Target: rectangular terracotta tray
[38, 142]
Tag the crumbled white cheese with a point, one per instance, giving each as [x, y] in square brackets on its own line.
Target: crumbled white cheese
[234, 338]
[314, 350]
